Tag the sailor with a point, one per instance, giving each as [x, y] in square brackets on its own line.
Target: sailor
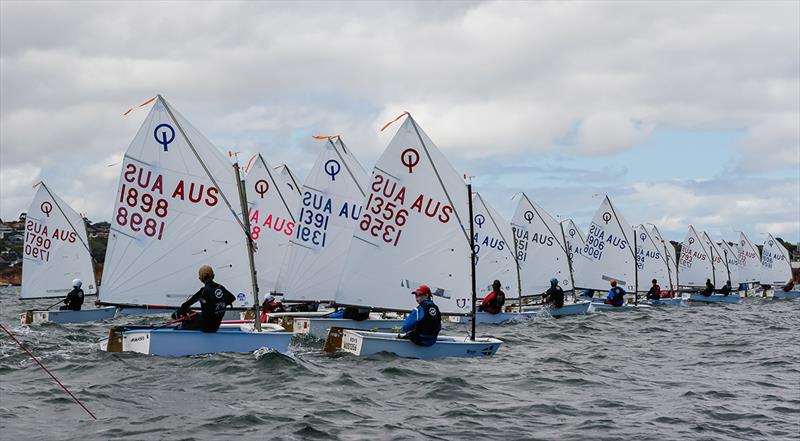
[74, 299]
[554, 295]
[616, 295]
[655, 291]
[270, 306]
[424, 322]
[726, 290]
[493, 303]
[213, 297]
[709, 288]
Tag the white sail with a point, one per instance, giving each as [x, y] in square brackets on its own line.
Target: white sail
[651, 260]
[412, 230]
[749, 260]
[607, 253]
[695, 263]
[731, 260]
[575, 240]
[331, 205]
[775, 266]
[176, 208]
[670, 257]
[494, 250]
[720, 269]
[55, 250]
[270, 207]
[289, 179]
[541, 250]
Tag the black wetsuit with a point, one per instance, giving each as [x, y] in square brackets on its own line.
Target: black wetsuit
[726, 290]
[554, 296]
[74, 300]
[214, 298]
[708, 291]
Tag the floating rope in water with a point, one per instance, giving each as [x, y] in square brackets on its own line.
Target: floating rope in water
[48, 372]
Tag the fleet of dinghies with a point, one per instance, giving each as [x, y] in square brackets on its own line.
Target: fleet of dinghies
[348, 238]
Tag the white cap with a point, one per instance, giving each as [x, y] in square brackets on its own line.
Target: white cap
[269, 298]
[77, 283]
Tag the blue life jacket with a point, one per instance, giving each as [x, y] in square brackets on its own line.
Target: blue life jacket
[619, 296]
[427, 327]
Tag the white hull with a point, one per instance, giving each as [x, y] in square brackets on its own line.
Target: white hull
[577, 308]
[494, 319]
[781, 294]
[318, 327]
[169, 342]
[364, 343]
[596, 306]
[715, 298]
[85, 315]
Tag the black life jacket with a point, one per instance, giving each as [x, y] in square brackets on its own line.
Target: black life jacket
[498, 301]
[431, 322]
[619, 296]
[556, 295]
[74, 299]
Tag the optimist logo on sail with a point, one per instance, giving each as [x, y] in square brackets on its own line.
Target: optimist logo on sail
[410, 158]
[332, 168]
[161, 135]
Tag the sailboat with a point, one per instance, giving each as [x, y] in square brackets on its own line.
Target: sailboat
[416, 228]
[749, 261]
[608, 254]
[697, 263]
[730, 260]
[271, 210]
[495, 261]
[180, 204]
[672, 261]
[776, 269]
[543, 250]
[652, 260]
[331, 206]
[56, 251]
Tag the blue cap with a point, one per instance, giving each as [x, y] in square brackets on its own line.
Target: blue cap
[553, 281]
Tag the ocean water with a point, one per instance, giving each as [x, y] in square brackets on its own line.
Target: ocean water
[712, 372]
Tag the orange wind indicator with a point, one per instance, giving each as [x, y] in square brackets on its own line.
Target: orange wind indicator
[394, 120]
[325, 136]
[249, 163]
[140, 105]
[37, 184]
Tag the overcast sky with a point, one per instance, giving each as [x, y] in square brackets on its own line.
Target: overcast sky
[682, 112]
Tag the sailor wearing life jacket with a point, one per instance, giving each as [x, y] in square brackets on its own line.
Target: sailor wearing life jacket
[213, 297]
[424, 322]
[554, 295]
[493, 303]
[74, 299]
[616, 295]
[655, 291]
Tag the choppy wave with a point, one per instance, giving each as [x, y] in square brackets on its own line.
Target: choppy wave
[697, 372]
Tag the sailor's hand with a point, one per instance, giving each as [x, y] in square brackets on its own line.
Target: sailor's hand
[175, 315]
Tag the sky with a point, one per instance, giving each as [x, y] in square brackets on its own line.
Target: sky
[682, 112]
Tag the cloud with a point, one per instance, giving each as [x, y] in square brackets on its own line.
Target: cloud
[491, 82]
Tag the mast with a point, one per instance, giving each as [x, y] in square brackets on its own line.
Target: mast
[669, 273]
[253, 280]
[713, 268]
[635, 272]
[472, 259]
